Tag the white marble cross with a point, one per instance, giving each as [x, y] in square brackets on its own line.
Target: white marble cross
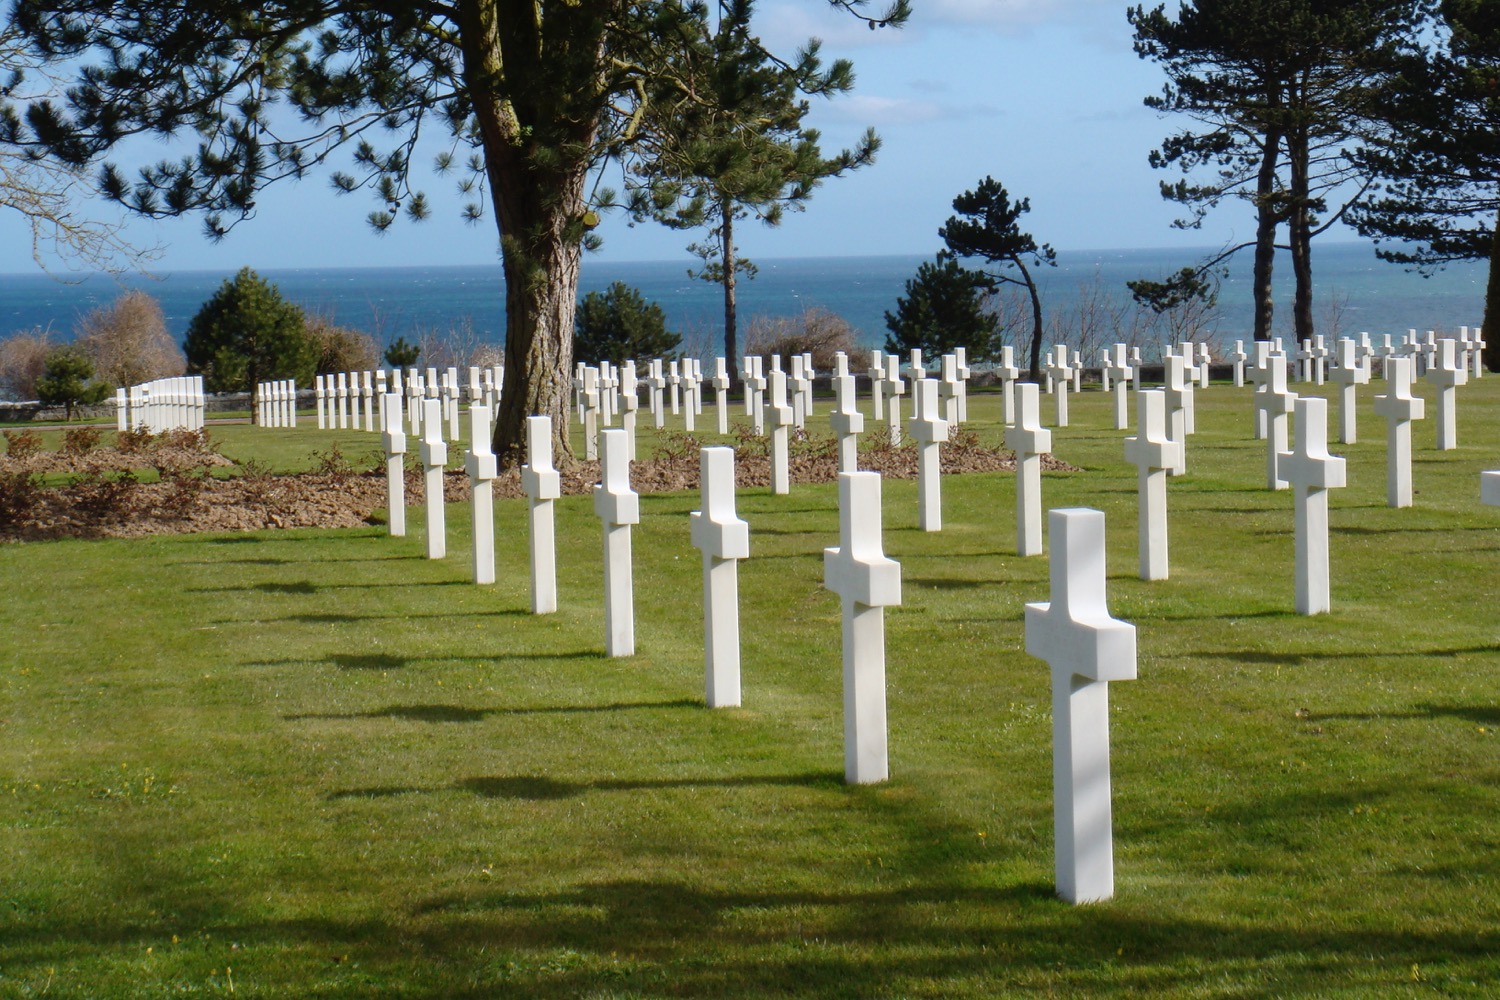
[868, 582]
[658, 384]
[1116, 366]
[721, 393]
[1479, 345]
[1086, 649]
[948, 389]
[1350, 371]
[1400, 408]
[590, 399]
[342, 389]
[929, 430]
[630, 404]
[1275, 401]
[1061, 373]
[1319, 359]
[1239, 358]
[1154, 454]
[961, 361]
[916, 370]
[434, 460]
[542, 485]
[895, 388]
[877, 383]
[1030, 441]
[781, 424]
[755, 390]
[674, 386]
[1178, 393]
[414, 400]
[724, 539]
[320, 391]
[799, 383]
[1312, 473]
[366, 391]
[450, 402]
[1446, 374]
[1007, 372]
[1260, 374]
[618, 507]
[848, 423]
[480, 464]
[394, 441]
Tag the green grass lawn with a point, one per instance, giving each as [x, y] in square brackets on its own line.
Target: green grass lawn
[316, 764]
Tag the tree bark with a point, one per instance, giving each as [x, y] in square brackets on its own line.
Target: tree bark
[1492, 304]
[1267, 216]
[1036, 320]
[731, 304]
[1299, 232]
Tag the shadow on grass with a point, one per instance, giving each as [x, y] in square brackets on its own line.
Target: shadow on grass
[340, 619]
[1297, 659]
[1480, 715]
[538, 788]
[307, 587]
[950, 584]
[458, 713]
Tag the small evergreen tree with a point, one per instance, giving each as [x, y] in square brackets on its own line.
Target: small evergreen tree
[943, 308]
[68, 381]
[619, 325]
[246, 334]
[402, 354]
[988, 226]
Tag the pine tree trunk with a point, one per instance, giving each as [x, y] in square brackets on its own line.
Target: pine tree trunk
[1299, 231]
[1492, 305]
[1036, 320]
[731, 304]
[1267, 216]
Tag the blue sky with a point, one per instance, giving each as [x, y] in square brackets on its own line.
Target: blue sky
[1044, 95]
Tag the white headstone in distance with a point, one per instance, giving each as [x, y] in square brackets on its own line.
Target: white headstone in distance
[867, 582]
[1007, 372]
[1350, 371]
[724, 539]
[781, 424]
[721, 393]
[542, 485]
[1276, 401]
[1178, 393]
[1400, 408]
[342, 396]
[590, 398]
[798, 388]
[948, 389]
[1030, 441]
[320, 392]
[630, 403]
[618, 507]
[877, 383]
[1117, 367]
[394, 441]
[961, 360]
[929, 430]
[1205, 362]
[1239, 357]
[1312, 473]
[434, 460]
[674, 386]
[755, 393]
[894, 389]
[1489, 488]
[1086, 649]
[1154, 454]
[481, 466]
[848, 423]
[1061, 373]
[366, 391]
[1446, 374]
[450, 402]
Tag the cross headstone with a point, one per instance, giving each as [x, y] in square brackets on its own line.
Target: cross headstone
[434, 460]
[630, 404]
[657, 380]
[867, 582]
[1007, 372]
[1117, 367]
[1350, 371]
[1061, 373]
[724, 539]
[674, 386]
[1400, 408]
[848, 423]
[948, 389]
[1275, 400]
[894, 389]
[721, 393]
[1154, 454]
[755, 389]
[394, 441]
[781, 424]
[1312, 473]
[1030, 441]
[366, 390]
[342, 389]
[1178, 393]
[542, 484]
[1086, 649]
[961, 362]
[450, 402]
[320, 393]
[480, 464]
[916, 370]
[618, 507]
[877, 383]
[1446, 374]
[798, 398]
[1239, 357]
[590, 400]
[1260, 374]
[1478, 356]
[1205, 363]
[929, 430]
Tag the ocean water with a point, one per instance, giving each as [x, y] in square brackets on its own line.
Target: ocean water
[1355, 292]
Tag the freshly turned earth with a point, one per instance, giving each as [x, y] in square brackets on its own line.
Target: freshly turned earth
[97, 504]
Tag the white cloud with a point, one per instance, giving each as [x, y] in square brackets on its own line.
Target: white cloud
[885, 112]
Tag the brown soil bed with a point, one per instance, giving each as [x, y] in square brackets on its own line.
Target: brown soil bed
[105, 500]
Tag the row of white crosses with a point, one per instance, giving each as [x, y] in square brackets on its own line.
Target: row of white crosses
[358, 400]
[164, 404]
[276, 403]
